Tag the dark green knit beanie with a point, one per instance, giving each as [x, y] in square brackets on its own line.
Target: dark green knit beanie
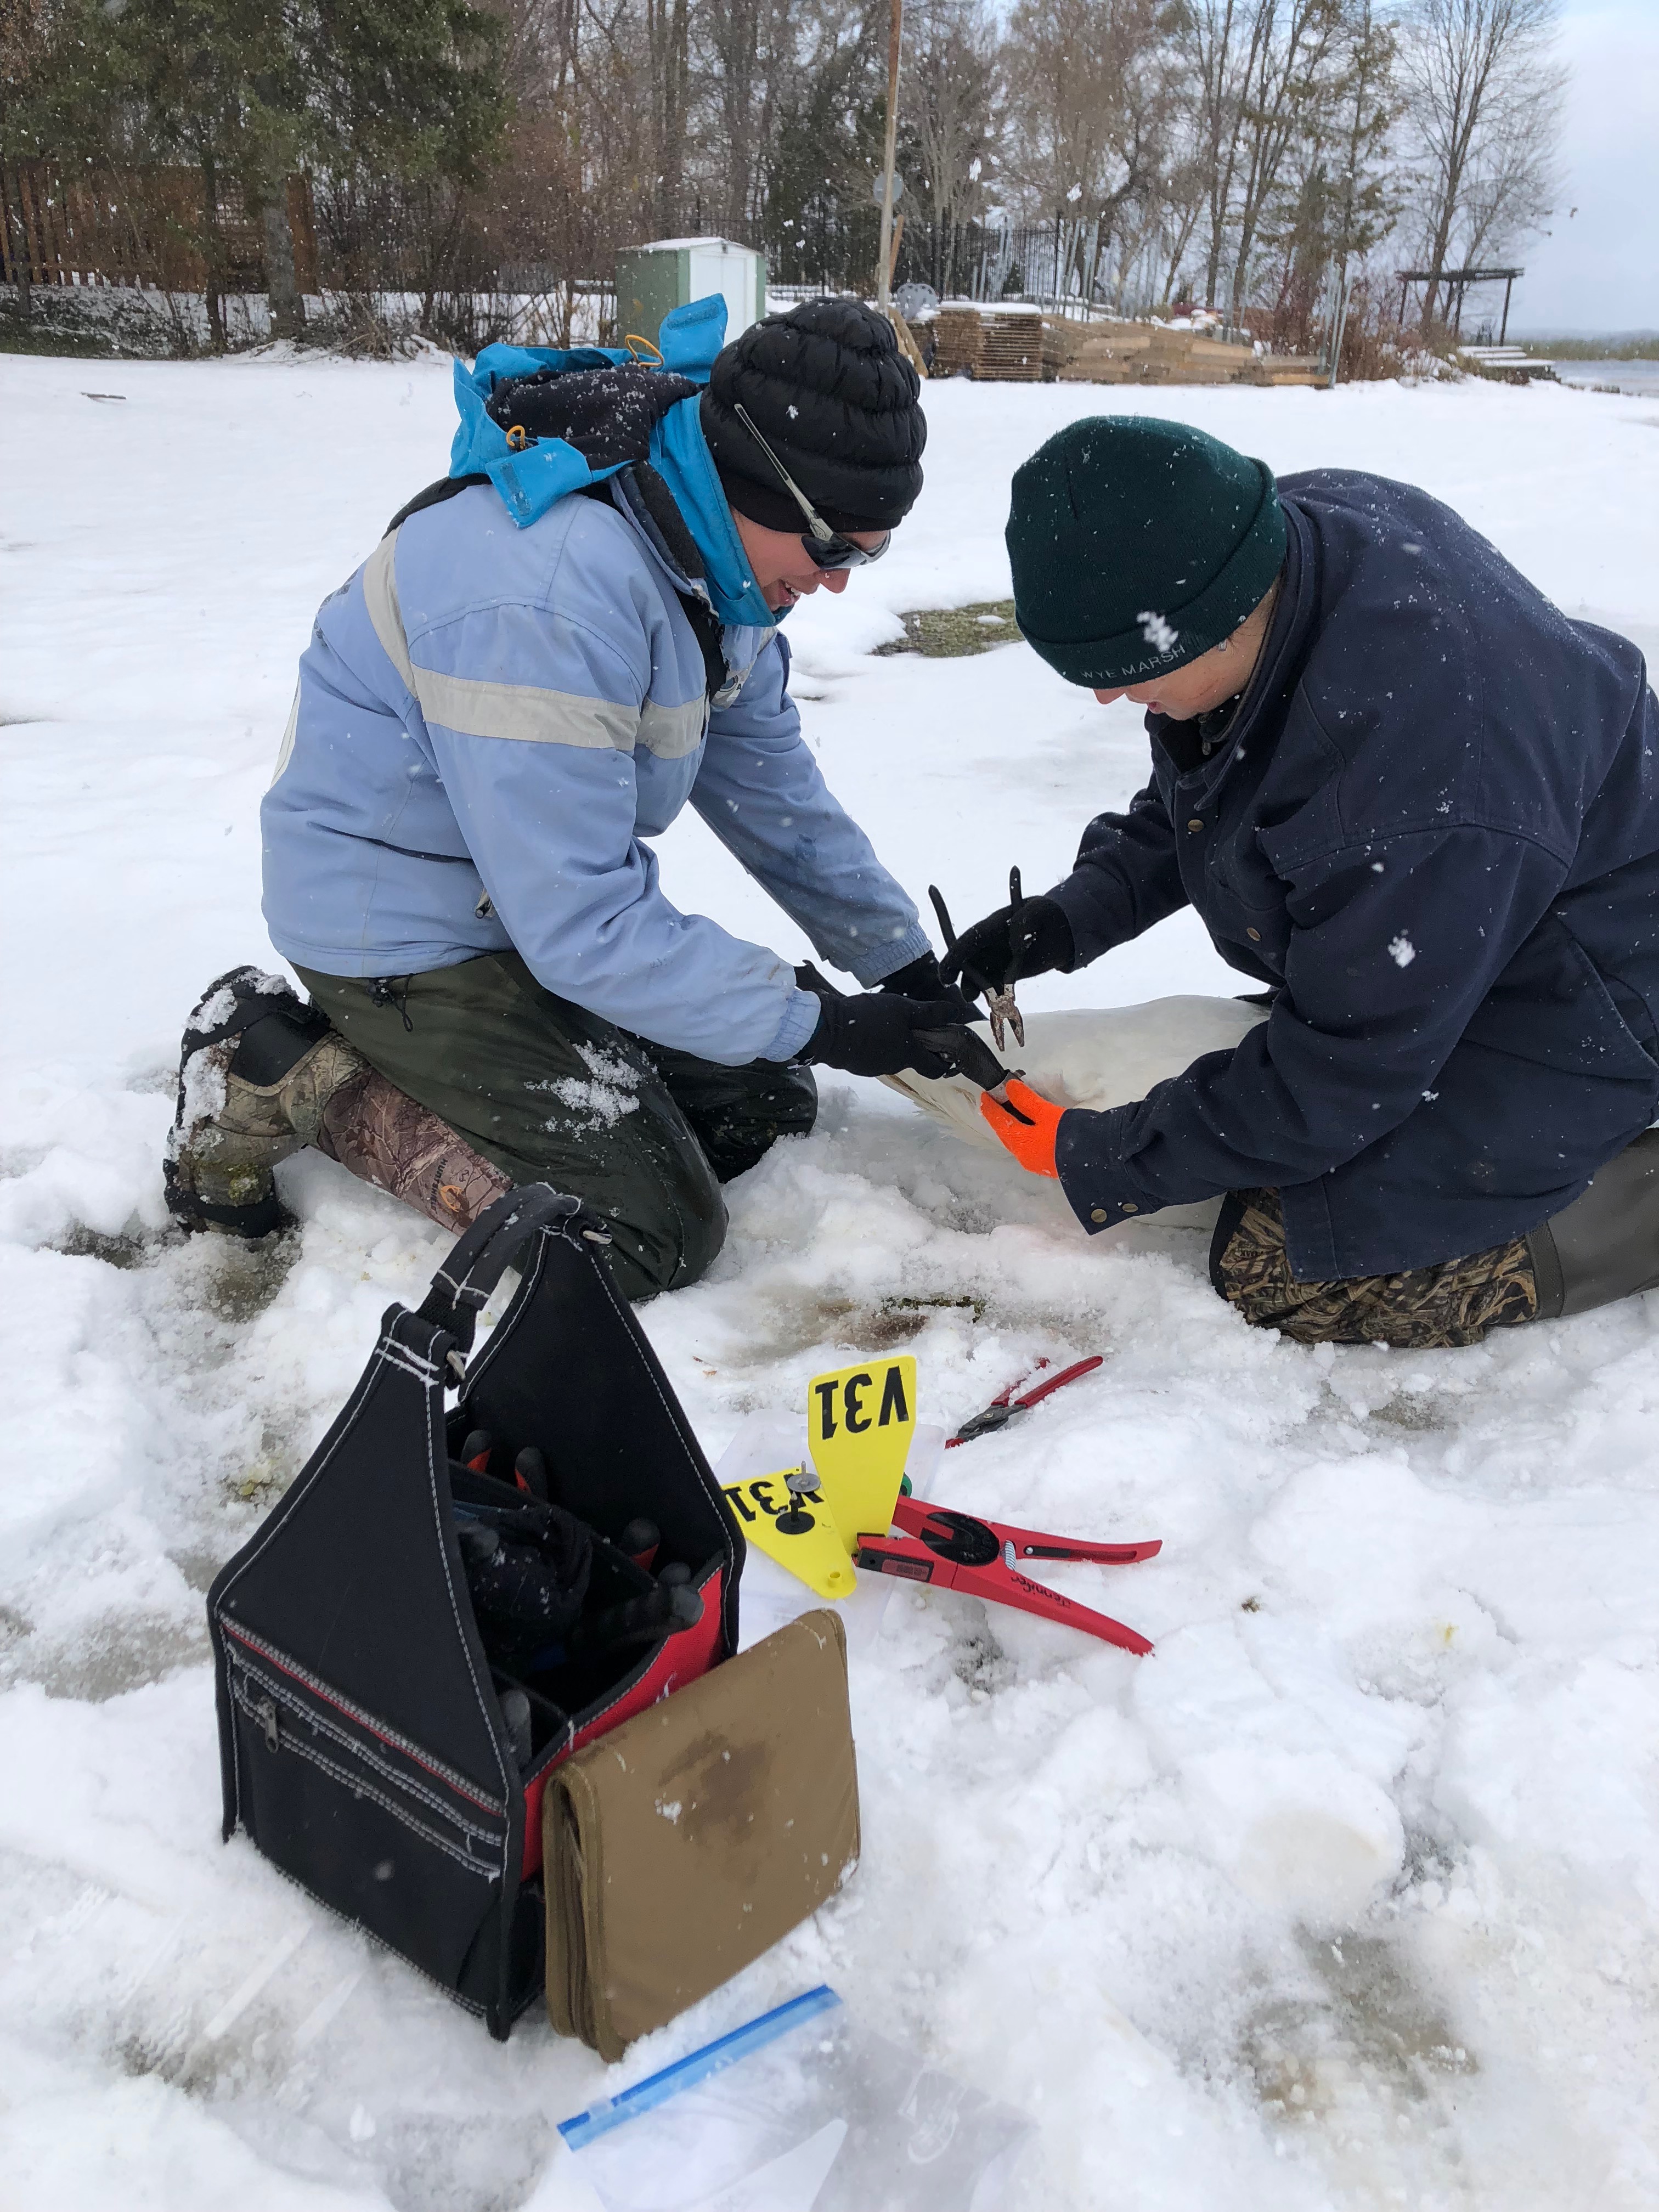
[1137, 545]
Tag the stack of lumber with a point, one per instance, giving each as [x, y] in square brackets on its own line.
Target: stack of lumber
[959, 335]
[1022, 347]
[1306, 369]
[1019, 350]
[1150, 352]
[1016, 348]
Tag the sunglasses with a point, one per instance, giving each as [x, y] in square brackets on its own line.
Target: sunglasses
[826, 549]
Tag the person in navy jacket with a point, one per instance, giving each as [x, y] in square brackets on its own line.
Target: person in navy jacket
[1418, 807]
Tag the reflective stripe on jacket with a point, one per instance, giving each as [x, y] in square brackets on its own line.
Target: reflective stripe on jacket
[490, 721]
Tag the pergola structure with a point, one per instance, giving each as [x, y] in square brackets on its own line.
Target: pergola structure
[1456, 281]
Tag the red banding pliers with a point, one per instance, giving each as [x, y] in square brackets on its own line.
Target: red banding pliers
[1006, 1406]
[956, 1550]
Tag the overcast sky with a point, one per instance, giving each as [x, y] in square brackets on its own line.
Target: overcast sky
[1599, 269]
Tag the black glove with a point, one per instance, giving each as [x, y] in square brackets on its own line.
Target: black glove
[993, 954]
[526, 1594]
[880, 1033]
[606, 412]
[922, 979]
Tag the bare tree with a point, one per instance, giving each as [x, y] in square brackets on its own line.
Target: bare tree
[1483, 97]
[1089, 105]
[951, 124]
[666, 39]
[1368, 105]
[1219, 40]
[1286, 93]
[1263, 78]
[732, 29]
[1336, 199]
[1238, 149]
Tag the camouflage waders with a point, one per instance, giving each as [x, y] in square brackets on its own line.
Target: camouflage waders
[387, 1138]
[1454, 1303]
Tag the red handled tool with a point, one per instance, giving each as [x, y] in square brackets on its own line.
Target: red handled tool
[1006, 1406]
[958, 1551]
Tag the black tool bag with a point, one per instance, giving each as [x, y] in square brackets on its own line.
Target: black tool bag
[362, 1742]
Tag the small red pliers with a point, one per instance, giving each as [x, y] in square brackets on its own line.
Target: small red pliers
[1005, 1405]
[956, 1550]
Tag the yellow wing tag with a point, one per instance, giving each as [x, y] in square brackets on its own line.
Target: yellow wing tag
[799, 1532]
[859, 1422]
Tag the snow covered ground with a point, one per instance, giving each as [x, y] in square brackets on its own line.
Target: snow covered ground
[1346, 1898]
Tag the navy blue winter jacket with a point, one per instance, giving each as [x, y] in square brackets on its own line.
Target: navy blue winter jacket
[1433, 825]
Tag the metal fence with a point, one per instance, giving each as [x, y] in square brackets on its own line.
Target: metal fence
[1055, 265]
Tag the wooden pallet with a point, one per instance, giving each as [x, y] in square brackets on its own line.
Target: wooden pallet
[959, 335]
[1012, 349]
[1018, 349]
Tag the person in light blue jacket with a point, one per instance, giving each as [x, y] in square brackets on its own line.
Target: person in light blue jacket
[549, 654]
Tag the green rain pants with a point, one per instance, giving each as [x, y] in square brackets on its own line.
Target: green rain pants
[550, 1093]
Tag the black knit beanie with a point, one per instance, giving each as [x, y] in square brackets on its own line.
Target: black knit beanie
[1137, 544]
[837, 402]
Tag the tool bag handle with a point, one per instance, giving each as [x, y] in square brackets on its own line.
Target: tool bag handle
[481, 1257]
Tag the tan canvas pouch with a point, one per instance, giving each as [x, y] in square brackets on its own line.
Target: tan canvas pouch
[686, 1842]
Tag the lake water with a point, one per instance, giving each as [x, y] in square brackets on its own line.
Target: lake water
[1640, 377]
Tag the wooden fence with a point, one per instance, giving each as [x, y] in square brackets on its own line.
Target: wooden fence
[141, 227]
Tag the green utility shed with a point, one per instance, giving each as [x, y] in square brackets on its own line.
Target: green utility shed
[654, 280]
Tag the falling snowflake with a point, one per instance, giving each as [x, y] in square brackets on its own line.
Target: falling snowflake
[1156, 632]
[973, 168]
[793, 411]
[1402, 950]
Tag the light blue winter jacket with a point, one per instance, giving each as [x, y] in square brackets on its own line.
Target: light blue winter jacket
[492, 721]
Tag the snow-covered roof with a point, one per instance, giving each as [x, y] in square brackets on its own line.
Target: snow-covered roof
[677, 244]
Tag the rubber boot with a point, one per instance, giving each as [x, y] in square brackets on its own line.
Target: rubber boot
[385, 1136]
[1606, 1244]
[256, 1073]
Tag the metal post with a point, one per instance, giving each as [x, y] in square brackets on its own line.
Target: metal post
[1504, 335]
[894, 42]
[1341, 327]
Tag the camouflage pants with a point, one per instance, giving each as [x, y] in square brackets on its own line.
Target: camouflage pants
[1454, 1303]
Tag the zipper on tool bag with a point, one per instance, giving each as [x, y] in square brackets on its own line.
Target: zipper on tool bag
[295, 1713]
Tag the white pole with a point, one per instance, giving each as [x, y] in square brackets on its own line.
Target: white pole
[895, 40]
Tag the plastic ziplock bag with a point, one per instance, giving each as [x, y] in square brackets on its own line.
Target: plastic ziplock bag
[800, 2111]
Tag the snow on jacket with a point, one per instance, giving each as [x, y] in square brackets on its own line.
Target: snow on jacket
[1433, 824]
[492, 720]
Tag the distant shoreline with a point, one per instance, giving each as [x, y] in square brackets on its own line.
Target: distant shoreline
[1639, 378]
[1602, 346]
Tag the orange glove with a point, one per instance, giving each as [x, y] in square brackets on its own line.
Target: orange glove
[1028, 1126]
